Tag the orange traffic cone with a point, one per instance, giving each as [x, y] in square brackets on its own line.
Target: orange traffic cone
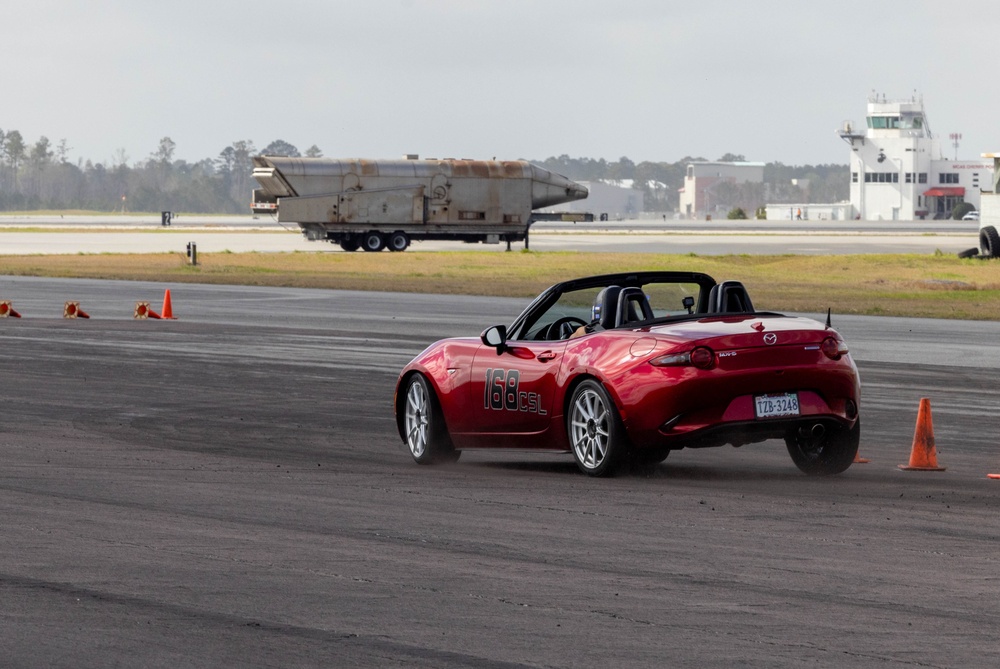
[142, 310]
[7, 310]
[923, 456]
[858, 460]
[993, 476]
[73, 310]
[168, 310]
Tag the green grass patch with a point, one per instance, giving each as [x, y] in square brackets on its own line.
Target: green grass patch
[938, 286]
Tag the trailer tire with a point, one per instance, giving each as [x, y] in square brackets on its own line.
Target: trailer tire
[399, 241]
[350, 244]
[989, 242]
[373, 241]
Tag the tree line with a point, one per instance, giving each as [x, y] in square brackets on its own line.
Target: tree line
[40, 176]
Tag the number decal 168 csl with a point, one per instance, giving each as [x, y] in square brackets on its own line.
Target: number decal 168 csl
[503, 393]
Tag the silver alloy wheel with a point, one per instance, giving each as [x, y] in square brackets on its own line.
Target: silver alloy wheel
[417, 420]
[590, 429]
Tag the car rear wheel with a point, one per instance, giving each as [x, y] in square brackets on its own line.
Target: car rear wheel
[989, 242]
[424, 430]
[596, 433]
[826, 452]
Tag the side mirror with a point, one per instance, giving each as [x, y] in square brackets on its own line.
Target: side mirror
[496, 337]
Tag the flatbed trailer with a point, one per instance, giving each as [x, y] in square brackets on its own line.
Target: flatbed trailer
[377, 204]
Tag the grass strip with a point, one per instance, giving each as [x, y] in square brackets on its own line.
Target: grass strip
[936, 286]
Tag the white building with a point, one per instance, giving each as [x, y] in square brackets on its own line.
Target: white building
[607, 201]
[696, 197]
[898, 170]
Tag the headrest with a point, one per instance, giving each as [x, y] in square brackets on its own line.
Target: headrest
[606, 306]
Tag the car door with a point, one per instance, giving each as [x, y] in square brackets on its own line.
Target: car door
[515, 389]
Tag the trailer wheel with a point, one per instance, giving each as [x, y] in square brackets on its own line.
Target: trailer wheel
[989, 242]
[373, 241]
[350, 244]
[398, 241]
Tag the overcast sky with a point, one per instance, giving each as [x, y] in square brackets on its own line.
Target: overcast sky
[648, 79]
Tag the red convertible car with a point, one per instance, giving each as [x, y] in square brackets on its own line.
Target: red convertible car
[624, 368]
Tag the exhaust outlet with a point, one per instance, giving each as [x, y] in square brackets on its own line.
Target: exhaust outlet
[815, 432]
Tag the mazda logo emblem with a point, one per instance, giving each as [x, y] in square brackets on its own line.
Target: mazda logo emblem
[770, 338]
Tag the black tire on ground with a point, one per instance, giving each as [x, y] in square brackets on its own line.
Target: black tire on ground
[596, 435]
[350, 244]
[424, 430]
[399, 241]
[832, 453]
[373, 241]
[969, 253]
[645, 460]
[989, 242]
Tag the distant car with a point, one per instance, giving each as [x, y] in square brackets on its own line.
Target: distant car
[625, 368]
[971, 216]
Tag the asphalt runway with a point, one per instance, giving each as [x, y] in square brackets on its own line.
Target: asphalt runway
[24, 235]
[228, 490]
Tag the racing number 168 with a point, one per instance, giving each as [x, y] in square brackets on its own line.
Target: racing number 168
[503, 392]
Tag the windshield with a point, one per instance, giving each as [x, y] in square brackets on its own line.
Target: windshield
[623, 305]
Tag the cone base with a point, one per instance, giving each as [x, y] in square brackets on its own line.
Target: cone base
[911, 468]
[861, 461]
[993, 476]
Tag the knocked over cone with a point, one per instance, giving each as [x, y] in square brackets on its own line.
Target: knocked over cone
[142, 310]
[7, 310]
[73, 310]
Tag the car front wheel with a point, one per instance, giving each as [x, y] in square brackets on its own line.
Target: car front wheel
[596, 434]
[424, 430]
[824, 453]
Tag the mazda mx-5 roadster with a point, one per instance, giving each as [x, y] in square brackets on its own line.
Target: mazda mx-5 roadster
[621, 369]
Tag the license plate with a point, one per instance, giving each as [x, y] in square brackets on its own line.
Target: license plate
[777, 404]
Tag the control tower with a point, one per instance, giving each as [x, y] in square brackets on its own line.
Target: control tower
[898, 170]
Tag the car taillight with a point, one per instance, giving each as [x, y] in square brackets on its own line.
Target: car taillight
[833, 349]
[701, 357]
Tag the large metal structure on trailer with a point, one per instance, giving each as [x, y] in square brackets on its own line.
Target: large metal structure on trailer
[374, 204]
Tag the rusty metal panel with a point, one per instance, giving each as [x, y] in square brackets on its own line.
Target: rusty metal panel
[383, 207]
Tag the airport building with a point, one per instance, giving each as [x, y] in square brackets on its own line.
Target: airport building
[696, 198]
[613, 201]
[898, 170]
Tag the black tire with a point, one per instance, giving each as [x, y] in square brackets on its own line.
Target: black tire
[644, 461]
[832, 453]
[373, 241]
[424, 431]
[646, 457]
[350, 244]
[969, 253]
[989, 242]
[399, 241]
[596, 434]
